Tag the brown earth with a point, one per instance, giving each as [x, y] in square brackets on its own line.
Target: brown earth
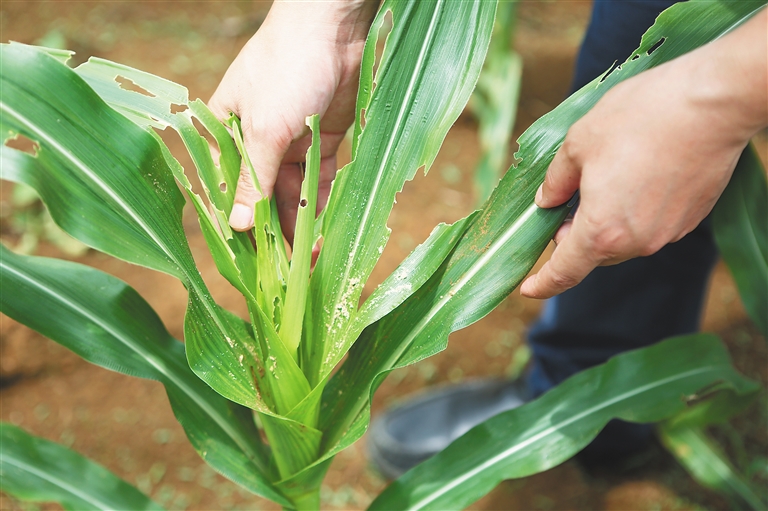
[126, 424]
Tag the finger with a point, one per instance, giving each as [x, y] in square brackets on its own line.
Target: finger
[327, 174]
[571, 261]
[562, 178]
[241, 216]
[287, 196]
[563, 231]
[265, 152]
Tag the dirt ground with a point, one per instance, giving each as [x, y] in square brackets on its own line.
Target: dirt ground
[126, 424]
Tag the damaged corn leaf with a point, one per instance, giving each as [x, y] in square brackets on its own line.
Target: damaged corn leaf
[107, 323]
[505, 239]
[431, 61]
[91, 189]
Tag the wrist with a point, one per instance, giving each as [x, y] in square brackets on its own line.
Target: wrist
[729, 77]
[340, 23]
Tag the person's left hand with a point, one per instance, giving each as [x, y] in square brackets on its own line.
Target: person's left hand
[304, 60]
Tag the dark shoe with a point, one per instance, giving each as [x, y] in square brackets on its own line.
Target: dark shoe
[421, 427]
[619, 447]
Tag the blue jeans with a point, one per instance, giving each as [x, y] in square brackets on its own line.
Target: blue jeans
[633, 304]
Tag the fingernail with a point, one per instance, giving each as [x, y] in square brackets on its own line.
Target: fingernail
[539, 194]
[241, 218]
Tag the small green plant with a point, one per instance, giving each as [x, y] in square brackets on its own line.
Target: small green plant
[109, 181]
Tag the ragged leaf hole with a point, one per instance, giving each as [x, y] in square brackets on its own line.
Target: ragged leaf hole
[362, 117]
[21, 143]
[613, 68]
[203, 131]
[656, 46]
[176, 109]
[223, 187]
[303, 203]
[635, 57]
[128, 84]
[381, 41]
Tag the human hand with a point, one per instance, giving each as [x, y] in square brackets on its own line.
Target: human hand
[653, 156]
[303, 60]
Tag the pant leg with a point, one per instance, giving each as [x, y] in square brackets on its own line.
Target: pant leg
[633, 304]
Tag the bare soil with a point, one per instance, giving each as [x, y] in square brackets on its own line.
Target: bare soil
[126, 424]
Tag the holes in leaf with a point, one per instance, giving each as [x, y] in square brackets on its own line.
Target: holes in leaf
[175, 109]
[635, 57]
[656, 46]
[381, 41]
[303, 203]
[128, 84]
[21, 143]
[223, 187]
[362, 117]
[614, 67]
[208, 137]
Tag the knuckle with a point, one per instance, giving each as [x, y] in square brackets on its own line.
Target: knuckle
[610, 238]
[561, 280]
[572, 143]
[653, 245]
[245, 188]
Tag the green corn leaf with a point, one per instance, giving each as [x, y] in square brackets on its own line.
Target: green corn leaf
[740, 222]
[298, 282]
[281, 384]
[501, 85]
[271, 295]
[644, 385]
[219, 182]
[494, 101]
[426, 258]
[37, 470]
[506, 238]
[708, 465]
[431, 61]
[99, 173]
[107, 323]
[294, 445]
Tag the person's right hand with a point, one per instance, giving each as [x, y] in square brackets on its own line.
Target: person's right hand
[304, 60]
[652, 157]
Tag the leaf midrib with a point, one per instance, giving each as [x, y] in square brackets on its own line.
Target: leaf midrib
[54, 480]
[552, 429]
[192, 279]
[466, 277]
[159, 365]
[387, 152]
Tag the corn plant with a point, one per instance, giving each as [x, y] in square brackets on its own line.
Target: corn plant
[494, 102]
[109, 181]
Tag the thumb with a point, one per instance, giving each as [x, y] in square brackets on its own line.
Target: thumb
[265, 154]
[264, 150]
[562, 178]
